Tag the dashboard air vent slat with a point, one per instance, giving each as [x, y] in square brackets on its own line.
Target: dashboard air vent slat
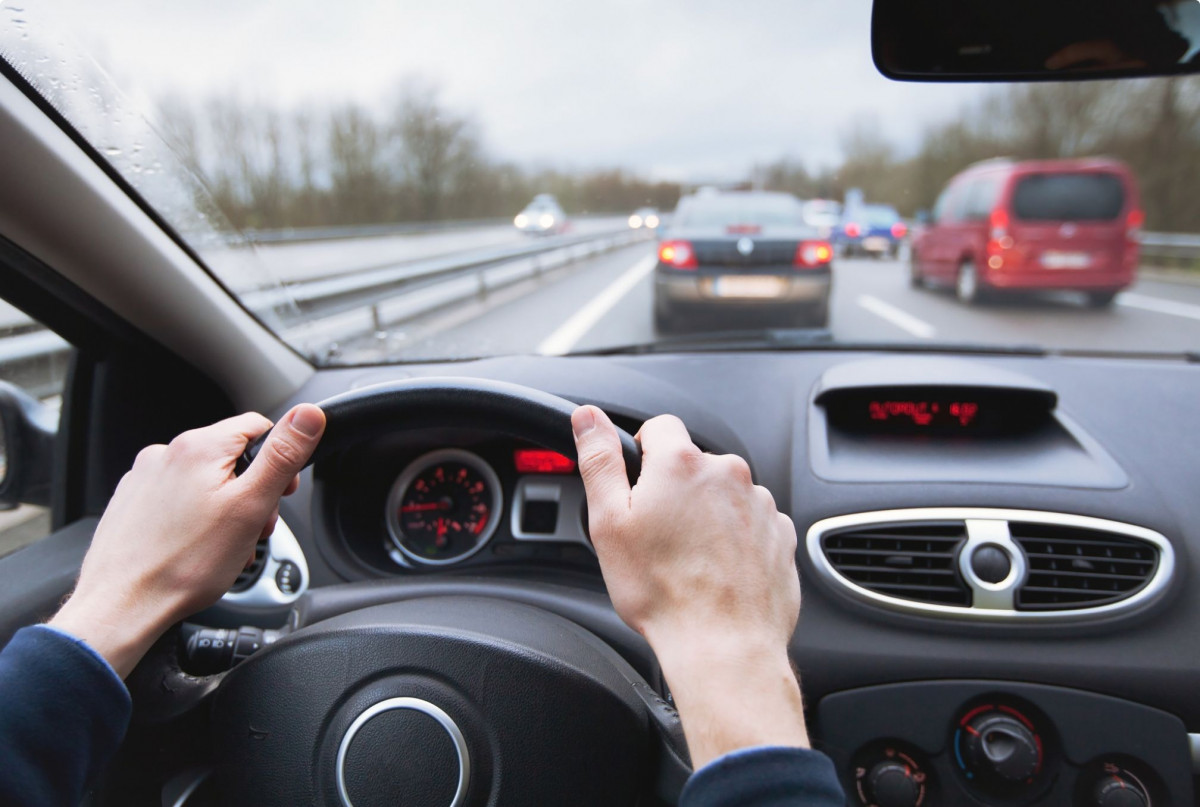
[1073, 567]
[913, 561]
[249, 576]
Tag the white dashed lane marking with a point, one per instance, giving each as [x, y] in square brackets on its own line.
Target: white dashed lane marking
[901, 319]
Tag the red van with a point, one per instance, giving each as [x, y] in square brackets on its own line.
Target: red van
[1003, 225]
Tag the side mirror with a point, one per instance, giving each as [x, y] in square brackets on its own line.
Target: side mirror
[27, 431]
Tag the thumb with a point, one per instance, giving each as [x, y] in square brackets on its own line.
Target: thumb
[287, 449]
[600, 462]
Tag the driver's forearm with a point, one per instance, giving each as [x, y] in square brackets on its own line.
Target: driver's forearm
[121, 628]
[731, 697]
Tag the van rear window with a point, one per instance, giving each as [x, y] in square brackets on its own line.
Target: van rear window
[1069, 197]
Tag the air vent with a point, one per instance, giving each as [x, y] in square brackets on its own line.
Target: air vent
[1071, 567]
[251, 573]
[911, 561]
[991, 564]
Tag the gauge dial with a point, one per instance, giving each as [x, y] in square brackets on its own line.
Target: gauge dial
[444, 507]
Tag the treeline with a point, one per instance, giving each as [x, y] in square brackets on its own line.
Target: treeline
[1151, 124]
[421, 161]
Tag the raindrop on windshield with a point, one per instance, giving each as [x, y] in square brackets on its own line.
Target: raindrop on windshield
[113, 151]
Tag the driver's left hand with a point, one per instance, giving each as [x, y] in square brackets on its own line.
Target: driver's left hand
[179, 529]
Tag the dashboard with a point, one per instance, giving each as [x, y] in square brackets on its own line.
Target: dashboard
[996, 550]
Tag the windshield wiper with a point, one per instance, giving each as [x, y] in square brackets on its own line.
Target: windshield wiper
[799, 339]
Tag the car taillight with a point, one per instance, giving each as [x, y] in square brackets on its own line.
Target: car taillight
[677, 254]
[998, 223]
[811, 254]
[853, 230]
[1133, 225]
[899, 230]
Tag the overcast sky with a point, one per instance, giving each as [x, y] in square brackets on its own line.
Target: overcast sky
[677, 89]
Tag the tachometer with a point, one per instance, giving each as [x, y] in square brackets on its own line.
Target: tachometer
[444, 507]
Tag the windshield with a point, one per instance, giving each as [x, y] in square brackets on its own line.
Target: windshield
[401, 182]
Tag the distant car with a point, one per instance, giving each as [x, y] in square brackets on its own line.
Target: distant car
[542, 216]
[824, 214]
[742, 254]
[875, 230]
[645, 217]
[1038, 225]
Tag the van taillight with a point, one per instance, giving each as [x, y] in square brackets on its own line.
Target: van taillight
[998, 223]
[1133, 225]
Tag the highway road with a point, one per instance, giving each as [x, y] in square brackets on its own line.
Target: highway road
[606, 302]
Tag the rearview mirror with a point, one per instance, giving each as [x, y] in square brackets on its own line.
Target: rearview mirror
[1034, 40]
[27, 431]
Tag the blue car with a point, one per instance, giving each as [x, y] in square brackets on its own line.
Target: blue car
[875, 230]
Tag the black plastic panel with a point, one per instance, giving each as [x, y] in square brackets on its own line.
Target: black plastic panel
[1080, 732]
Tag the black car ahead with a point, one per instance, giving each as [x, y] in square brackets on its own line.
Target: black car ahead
[741, 256]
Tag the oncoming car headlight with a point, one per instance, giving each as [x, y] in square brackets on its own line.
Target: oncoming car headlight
[546, 221]
[651, 221]
[521, 220]
[635, 221]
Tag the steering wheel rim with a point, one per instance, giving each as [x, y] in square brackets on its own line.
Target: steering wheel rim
[437, 402]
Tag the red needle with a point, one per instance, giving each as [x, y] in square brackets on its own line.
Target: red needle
[421, 508]
[441, 532]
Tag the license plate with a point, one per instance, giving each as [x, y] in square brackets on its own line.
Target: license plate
[748, 286]
[875, 243]
[1066, 260]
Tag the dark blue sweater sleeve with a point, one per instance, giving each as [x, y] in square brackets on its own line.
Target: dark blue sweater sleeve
[63, 712]
[765, 777]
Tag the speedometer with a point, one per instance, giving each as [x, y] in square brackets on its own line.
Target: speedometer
[444, 507]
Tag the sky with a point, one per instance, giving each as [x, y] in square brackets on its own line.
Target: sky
[674, 89]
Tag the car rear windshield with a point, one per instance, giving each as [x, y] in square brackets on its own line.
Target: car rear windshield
[879, 215]
[763, 212]
[1069, 197]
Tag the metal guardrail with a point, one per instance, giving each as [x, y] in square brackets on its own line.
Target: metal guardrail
[364, 302]
[1171, 249]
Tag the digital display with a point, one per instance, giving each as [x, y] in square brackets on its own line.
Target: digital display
[938, 412]
[930, 413]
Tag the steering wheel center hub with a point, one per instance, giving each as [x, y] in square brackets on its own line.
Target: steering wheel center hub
[403, 750]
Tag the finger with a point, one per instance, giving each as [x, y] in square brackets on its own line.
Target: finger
[291, 488]
[600, 462]
[665, 438]
[286, 451]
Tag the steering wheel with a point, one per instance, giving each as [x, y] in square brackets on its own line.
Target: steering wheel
[458, 699]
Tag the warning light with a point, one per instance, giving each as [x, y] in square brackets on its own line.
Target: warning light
[542, 461]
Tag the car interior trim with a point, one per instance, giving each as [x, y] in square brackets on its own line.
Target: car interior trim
[992, 608]
[567, 493]
[282, 547]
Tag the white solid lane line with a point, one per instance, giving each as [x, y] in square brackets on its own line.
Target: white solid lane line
[901, 319]
[1147, 303]
[583, 320]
